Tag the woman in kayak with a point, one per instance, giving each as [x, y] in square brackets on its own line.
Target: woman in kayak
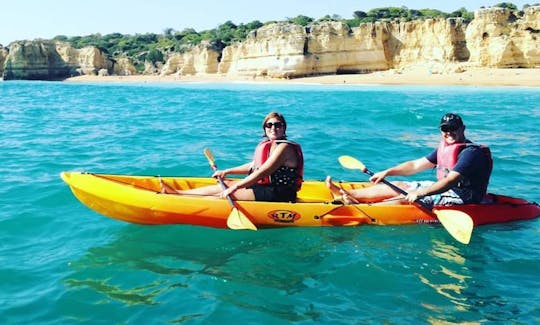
[463, 171]
[275, 174]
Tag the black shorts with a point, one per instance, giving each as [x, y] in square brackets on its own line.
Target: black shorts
[274, 193]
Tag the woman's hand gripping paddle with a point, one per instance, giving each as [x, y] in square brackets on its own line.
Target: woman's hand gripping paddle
[236, 219]
[457, 223]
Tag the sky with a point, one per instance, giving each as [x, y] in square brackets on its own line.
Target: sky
[31, 19]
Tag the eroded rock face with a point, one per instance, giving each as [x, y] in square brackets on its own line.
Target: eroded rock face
[47, 60]
[286, 50]
[202, 59]
[3, 56]
[275, 50]
[86, 61]
[335, 48]
[124, 67]
[427, 42]
[34, 61]
[497, 38]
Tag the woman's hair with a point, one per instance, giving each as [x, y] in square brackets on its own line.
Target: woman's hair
[280, 118]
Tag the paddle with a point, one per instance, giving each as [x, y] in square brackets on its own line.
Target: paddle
[236, 219]
[457, 223]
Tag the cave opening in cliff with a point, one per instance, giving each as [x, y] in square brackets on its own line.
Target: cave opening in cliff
[344, 70]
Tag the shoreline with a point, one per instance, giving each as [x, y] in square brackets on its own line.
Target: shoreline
[471, 77]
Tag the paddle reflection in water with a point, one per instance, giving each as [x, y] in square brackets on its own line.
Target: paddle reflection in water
[448, 277]
[470, 288]
[285, 275]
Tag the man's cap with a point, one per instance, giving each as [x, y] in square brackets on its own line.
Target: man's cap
[451, 120]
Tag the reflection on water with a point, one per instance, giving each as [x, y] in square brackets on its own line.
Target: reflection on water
[181, 262]
[450, 253]
[139, 295]
[448, 277]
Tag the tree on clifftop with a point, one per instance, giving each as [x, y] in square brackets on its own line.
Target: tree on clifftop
[508, 5]
[301, 20]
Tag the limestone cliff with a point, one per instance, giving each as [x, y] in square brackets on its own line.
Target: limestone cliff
[429, 43]
[46, 60]
[497, 38]
[122, 66]
[335, 48]
[276, 50]
[88, 60]
[286, 50]
[34, 61]
[3, 56]
[202, 59]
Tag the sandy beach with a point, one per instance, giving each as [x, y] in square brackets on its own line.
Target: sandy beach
[470, 77]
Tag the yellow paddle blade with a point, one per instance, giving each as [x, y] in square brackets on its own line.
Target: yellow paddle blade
[351, 163]
[237, 220]
[209, 156]
[457, 223]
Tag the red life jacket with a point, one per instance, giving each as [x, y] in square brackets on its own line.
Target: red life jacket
[262, 153]
[447, 156]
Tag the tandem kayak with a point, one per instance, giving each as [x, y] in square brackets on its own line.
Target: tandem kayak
[138, 199]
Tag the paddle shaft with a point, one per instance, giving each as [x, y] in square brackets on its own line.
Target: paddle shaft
[222, 184]
[399, 190]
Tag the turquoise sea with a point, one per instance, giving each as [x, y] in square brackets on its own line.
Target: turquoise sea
[61, 263]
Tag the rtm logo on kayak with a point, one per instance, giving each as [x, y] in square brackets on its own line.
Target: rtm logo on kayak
[284, 216]
[427, 222]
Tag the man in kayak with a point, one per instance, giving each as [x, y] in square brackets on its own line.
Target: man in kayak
[463, 171]
[275, 174]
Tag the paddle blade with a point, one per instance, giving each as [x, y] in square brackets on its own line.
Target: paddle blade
[351, 163]
[457, 223]
[237, 220]
[210, 157]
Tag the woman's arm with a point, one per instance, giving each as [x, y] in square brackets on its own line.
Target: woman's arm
[277, 158]
[238, 170]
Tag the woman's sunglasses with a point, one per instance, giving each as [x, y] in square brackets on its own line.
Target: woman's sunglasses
[270, 124]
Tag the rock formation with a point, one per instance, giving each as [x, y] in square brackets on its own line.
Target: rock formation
[286, 50]
[122, 66]
[86, 61]
[495, 38]
[47, 60]
[429, 42]
[276, 50]
[202, 59]
[34, 60]
[3, 56]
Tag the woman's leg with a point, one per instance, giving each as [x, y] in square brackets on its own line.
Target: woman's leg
[211, 190]
[244, 194]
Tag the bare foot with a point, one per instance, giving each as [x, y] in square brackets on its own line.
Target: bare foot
[339, 193]
[336, 191]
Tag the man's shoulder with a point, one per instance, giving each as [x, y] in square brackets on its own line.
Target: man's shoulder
[474, 150]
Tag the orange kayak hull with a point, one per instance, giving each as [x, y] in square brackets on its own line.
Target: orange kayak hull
[138, 199]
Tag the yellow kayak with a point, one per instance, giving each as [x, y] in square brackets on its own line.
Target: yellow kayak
[138, 199]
